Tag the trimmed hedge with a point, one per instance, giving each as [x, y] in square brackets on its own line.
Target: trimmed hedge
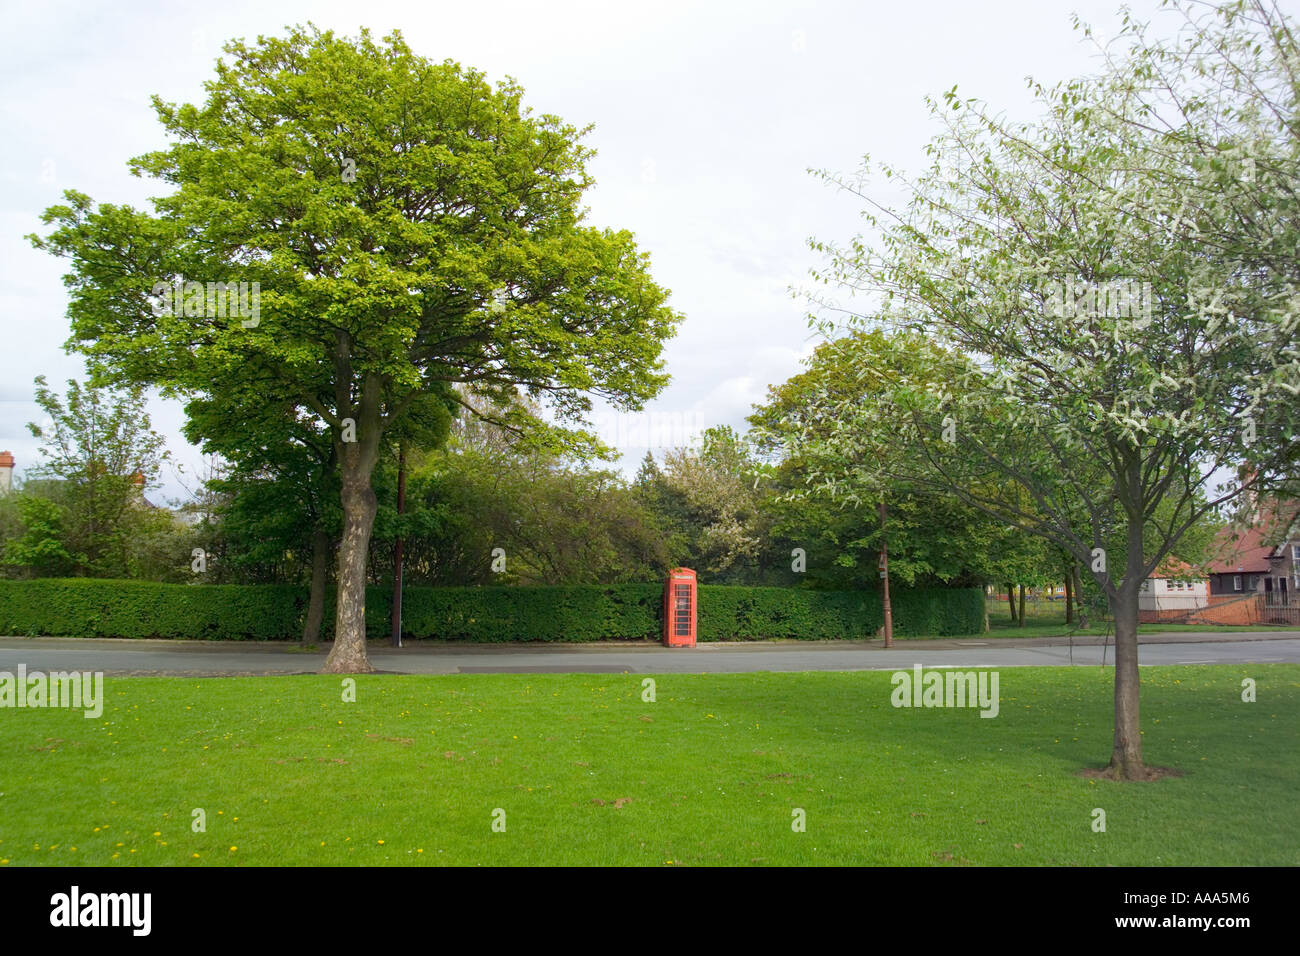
[730, 613]
[96, 607]
[93, 607]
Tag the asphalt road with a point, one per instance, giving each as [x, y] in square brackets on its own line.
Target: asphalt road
[209, 659]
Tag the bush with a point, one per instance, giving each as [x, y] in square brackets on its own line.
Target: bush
[90, 607]
[99, 607]
[746, 613]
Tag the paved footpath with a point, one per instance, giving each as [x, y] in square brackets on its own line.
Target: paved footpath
[214, 659]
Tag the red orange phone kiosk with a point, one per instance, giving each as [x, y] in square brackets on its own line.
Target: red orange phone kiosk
[679, 608]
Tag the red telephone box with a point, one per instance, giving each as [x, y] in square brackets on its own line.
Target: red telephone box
[679, 608]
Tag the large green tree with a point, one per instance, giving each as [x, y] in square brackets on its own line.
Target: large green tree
[410, 225]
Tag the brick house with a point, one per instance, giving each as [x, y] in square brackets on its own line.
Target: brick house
[1244, 563]
[1264, 559]
[1260, 562]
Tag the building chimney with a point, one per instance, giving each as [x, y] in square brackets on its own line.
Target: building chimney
[6, 472]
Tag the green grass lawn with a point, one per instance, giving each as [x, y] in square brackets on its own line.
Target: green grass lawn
[586, 772]
[1047, 619]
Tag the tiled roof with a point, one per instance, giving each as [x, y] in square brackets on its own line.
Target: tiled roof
[1246, 553]
[1248, 550]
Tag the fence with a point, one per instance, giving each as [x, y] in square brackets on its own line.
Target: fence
[1233, 610]
[1275, 608]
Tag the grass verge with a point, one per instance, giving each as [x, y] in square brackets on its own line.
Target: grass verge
[587, 772]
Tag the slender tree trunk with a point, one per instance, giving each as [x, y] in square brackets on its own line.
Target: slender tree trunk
[1080, 609]
[1022, 605]
[1069, 595]
[396, 639]
[1011, 600]
[320, 557]
[1126, 756]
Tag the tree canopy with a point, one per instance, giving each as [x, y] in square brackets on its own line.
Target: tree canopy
[1115, 297]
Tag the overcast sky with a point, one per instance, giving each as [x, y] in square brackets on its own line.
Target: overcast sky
[707, 117]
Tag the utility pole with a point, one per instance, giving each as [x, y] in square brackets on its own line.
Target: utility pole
[397, 546]
[884, 577]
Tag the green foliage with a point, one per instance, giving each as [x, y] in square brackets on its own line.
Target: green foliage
[711, 503]
[100, 452]
[728, 613]
[410, 228]
[39, 548]
[1116, 285]
[95, 607]
[558, 521]
[134, 609]
[575, 613]
[934, 538]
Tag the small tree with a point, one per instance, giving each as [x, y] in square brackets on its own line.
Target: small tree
[100, 454]
[1113, 283]
[39, 550]
[933, 538]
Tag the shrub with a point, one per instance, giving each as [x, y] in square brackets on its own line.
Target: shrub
[95, 607]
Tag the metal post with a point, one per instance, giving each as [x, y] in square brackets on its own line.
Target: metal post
[884, 576]
[397, 547]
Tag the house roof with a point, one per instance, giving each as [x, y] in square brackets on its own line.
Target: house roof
[1248, 550]
[1241, 552]
[1173, 569]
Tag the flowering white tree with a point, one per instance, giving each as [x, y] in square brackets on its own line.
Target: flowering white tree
[1118, 281]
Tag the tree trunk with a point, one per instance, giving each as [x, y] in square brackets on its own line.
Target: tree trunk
[1069, 595]
[356, 464]
[320, 556]
[1126, 755]
[1011, 600]
[1080, 608]
[1022, 605]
